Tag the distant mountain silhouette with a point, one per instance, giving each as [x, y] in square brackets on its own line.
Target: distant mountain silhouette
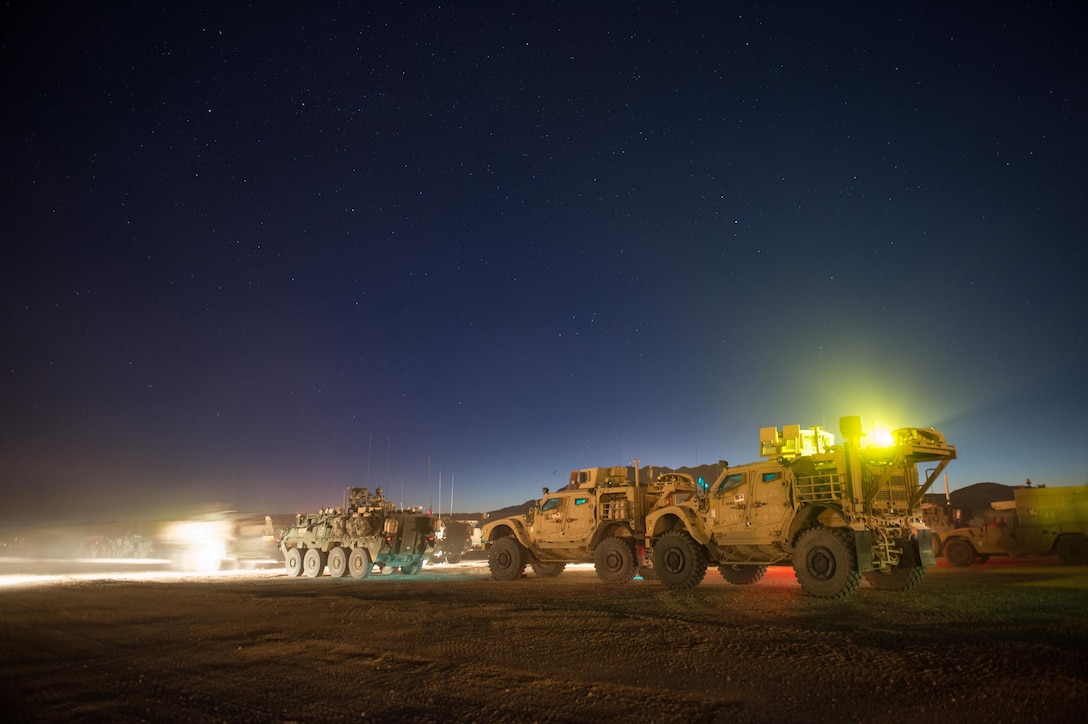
[975, 499]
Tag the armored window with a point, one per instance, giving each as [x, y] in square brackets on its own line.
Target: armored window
[769, 477]
[549, 504]
[731, 482]
[580, 501]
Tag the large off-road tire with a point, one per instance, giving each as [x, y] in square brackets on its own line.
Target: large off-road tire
[547, 570]
[680, 562]
[292, 561]
[742, 575]
[506, 559]
[615, 560]
[826, 562]
[905, 576]
[412, 568]
[313, 563]
[959, 552]
[338, 562]
[359, 563]
[1073, 549]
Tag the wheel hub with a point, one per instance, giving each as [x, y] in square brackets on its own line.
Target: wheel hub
[674, 561]
[821, 564]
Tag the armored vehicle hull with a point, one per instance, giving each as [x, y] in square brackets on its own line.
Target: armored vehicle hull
[349, 541]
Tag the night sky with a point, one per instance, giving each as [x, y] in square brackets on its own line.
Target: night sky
[253, 255]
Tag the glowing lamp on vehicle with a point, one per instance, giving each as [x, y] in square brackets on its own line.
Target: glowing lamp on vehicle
[197, 545]
[880, 437]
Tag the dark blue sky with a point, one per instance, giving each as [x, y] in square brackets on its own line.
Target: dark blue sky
[256, 254]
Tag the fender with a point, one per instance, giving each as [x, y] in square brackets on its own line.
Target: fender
[673, 517]
[620, 530]
[515, 526]
[830, 516]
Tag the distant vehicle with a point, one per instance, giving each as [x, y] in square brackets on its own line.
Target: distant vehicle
[1038, 521]
[963, 508]
[367, 531]
[197, 545]
[940, 519]
[214, 541]
[252, 541]
[456, 540]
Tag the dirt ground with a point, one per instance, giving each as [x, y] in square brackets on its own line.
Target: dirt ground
[1002, 642]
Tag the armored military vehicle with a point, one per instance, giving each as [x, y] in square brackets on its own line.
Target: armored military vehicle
[599, 517]
[367, 531]
[1039, 521]
[837, 512]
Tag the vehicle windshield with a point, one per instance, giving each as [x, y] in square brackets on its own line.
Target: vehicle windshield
[730, 482]
[549, 504]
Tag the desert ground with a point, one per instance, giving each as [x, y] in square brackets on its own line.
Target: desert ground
[1002, 642]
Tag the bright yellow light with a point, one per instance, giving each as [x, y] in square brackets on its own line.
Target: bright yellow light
[880, 437]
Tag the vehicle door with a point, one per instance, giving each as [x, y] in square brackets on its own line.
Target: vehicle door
[548, 522]
[769, 508]
[1003, 532]
[729, 503]
[581, 518]
[565, 518]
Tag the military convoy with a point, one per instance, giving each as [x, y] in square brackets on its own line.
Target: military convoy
[367, 531]
[1038, 521]
[838, 513]
[599, 517]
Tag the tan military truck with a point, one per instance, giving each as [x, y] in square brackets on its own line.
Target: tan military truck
[1039, 521]
[837, 512]
[598, 517]
[963, 508]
